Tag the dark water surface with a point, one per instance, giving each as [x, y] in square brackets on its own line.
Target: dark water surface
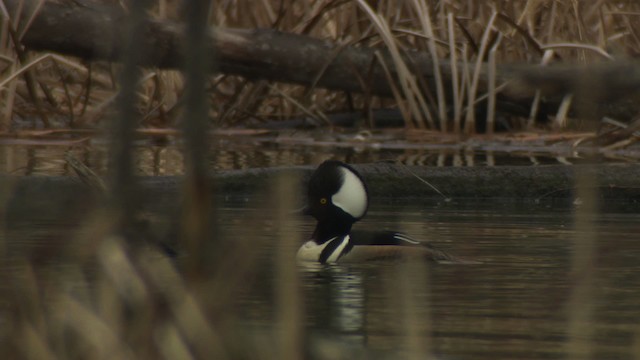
[516, 304]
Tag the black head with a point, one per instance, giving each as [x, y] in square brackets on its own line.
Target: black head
[337, 194]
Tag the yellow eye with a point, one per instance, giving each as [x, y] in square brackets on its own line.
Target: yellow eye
[323, 201]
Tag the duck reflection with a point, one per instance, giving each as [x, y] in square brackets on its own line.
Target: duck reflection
[336, 299]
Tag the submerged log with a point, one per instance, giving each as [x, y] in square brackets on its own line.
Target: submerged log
[95, 33]
[386, 182]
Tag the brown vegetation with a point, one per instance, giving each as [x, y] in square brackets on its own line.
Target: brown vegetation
[463, 81]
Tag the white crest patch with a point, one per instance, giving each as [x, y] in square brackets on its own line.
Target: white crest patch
[352, 196]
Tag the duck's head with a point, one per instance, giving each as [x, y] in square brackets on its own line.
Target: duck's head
[337, 194]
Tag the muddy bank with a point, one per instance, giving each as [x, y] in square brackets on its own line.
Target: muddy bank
[614, 182]
[617, 181]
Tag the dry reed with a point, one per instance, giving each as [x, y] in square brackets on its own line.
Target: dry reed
[455, 31]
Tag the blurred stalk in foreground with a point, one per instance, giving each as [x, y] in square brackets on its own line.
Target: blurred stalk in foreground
[413, 277]
[196, 225]
[581, 303]
[288, 301]
[122, 199]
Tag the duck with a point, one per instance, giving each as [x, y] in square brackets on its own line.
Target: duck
[338, 197]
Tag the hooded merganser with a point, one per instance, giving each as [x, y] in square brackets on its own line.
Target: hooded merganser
[338, 197]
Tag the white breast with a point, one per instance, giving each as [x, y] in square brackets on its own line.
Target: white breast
[310, 251]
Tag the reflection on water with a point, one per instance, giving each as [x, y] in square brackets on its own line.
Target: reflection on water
[153, 160]
[513, 305]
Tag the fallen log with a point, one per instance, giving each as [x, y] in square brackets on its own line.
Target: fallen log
[387, 182]
[95, 33]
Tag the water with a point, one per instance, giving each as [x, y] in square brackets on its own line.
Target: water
[518, 302]
[512, 305]
[515, 304]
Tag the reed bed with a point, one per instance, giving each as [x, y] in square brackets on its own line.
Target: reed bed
[60, 92]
